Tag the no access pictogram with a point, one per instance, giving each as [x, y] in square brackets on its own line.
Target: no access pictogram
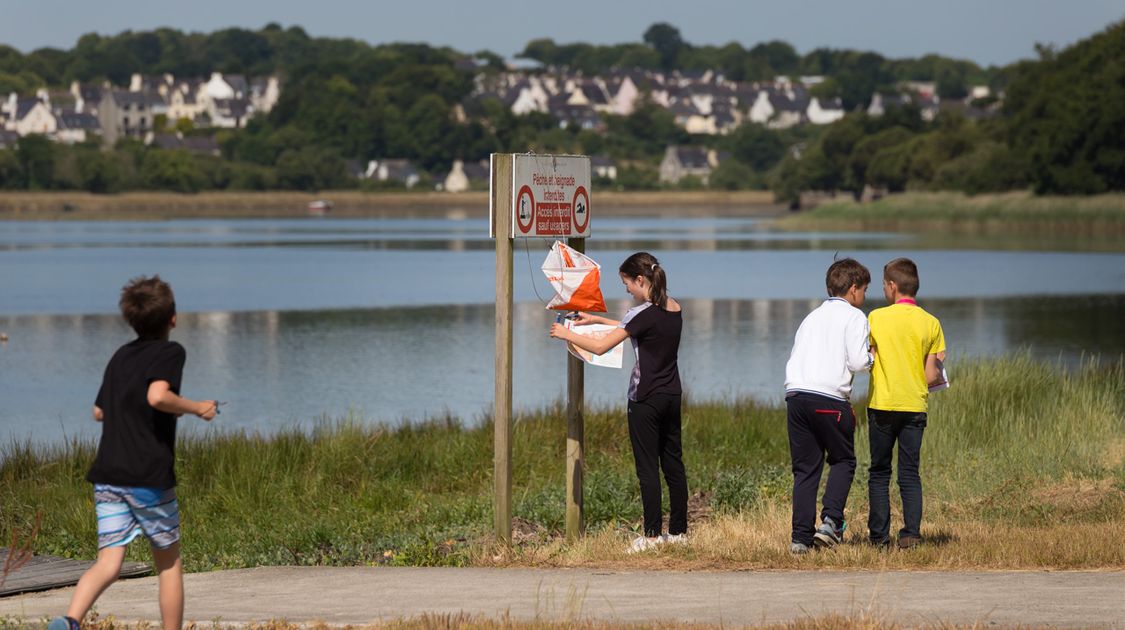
[580, 207]
[525, 209]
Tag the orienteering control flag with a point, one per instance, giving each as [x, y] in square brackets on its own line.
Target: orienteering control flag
[575, 278]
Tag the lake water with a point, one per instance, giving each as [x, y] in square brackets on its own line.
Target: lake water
[388, 320]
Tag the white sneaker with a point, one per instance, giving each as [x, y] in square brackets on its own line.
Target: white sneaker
[643, 543]
[674, 539]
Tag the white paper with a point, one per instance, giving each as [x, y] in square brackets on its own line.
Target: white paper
[611, 359]
[944, 384]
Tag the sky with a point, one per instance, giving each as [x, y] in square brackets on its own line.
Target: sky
[989, 32]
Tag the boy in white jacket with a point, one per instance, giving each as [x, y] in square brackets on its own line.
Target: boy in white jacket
[831, 344]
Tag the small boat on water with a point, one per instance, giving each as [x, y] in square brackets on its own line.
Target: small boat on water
[320, 207]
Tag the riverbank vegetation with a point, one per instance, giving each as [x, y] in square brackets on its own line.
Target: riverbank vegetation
[1095, 218]
[1024, 467]
[155, 205]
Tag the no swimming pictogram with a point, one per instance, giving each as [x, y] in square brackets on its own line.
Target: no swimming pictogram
[525, 209]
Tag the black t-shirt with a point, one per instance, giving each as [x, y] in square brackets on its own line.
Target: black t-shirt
[138, 445]
[655, 334]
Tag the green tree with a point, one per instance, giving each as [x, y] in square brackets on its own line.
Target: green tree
[171, 170]
[11, 171]
[734, 175]
[756, 146]
[665, 39]
[1066, 113]
[36, 156]
[866, 149]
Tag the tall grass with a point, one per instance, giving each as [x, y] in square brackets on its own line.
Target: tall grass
[1014, 441]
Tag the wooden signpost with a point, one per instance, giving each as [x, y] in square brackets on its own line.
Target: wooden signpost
[535, 196]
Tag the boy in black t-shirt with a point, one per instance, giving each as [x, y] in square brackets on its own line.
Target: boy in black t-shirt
[133, 471]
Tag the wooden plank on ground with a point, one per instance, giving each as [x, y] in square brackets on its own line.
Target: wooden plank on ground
[41, 573]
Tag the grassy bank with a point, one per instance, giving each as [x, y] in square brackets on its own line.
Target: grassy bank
[1024, 467]
[1018, 212]
[350, 203]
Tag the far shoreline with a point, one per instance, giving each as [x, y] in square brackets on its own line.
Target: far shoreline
[149, 206]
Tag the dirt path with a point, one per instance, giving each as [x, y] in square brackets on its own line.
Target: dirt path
[365, 595]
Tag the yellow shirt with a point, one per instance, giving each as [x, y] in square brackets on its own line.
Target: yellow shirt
[902, 335]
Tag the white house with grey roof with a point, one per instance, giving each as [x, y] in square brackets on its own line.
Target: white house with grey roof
[125, 114]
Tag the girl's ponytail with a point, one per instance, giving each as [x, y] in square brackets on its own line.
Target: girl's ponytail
[645, 264]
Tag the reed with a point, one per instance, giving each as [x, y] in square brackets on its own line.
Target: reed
[1018, 212]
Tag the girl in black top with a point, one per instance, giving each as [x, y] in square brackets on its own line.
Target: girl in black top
[653, 326]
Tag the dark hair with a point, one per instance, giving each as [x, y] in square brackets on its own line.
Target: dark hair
[904, 273]
[843, 274]
[645, 264]
[148, 305]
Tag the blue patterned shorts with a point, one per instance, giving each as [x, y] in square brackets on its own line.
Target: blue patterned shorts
[126, 512]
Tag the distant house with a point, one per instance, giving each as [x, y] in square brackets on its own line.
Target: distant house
[124, 114]
[183, 101]
[229, 113]
[624, 94]
[86, 97]
[530, 96]
[264, 94]
[604, 167]
[683, 161]
[880, 103]
[31, 115]
[75, 127]
[824, 112]
[393, 170]
[465, 175]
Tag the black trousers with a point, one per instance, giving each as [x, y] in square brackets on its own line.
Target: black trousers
[654, 430]
[885, 429]
[819, 425]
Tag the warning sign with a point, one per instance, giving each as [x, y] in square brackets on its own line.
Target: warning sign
[551, 196]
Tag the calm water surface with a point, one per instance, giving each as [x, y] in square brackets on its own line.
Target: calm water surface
[295, 320]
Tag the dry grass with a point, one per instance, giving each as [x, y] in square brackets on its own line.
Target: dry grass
[760, 540]
[350, 203]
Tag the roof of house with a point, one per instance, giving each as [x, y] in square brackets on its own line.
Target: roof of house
[70, 119]
[237, 83]
[233, 107]
[476, 170]
[125, 97]
[691, 157]
[398, 169]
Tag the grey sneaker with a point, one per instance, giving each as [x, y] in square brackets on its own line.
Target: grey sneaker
[63, 623]
[828, 535]
[798, 549]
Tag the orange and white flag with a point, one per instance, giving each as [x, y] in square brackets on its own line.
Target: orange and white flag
[575, 278]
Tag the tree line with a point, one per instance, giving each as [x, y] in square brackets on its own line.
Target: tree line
[1059, 129]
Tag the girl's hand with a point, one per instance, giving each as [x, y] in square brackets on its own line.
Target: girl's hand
[558, 331]
[584, 319]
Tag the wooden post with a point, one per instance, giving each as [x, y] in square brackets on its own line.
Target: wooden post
[502, 407]
[575, 434]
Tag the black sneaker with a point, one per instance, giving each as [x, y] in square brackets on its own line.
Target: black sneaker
[909, 541]
[828, 535]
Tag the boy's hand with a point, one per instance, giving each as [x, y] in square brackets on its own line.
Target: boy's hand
[558, 331]
[208, 409]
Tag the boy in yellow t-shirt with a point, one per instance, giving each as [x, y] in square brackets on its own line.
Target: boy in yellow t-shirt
[909, 349]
